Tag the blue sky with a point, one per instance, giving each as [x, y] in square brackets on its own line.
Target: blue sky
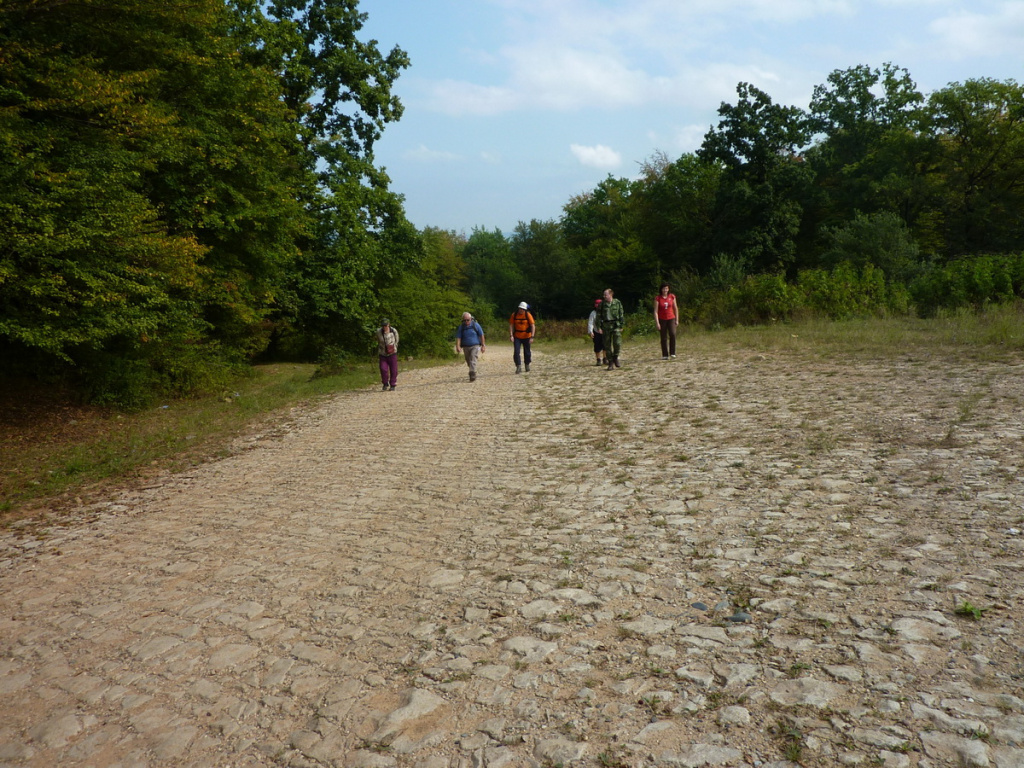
[514, 106]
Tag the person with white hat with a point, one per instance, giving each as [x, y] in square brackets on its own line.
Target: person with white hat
[521, 330]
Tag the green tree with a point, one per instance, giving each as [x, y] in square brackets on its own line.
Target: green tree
[495, 280]
[880, 239]
[873, 151]
[758, 210]
[676, 203]
[550, 269]
[99, 267]
[979, 127]
[443, 257]
[340, 88]
[603, 227]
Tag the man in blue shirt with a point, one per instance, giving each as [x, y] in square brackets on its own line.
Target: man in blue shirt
[469, 340]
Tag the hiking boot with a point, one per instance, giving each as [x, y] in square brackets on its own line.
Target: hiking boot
[598, 362]
[385, 388]
[617, 362]
[392, 387]
[527, 367]
[611, 364]
[519, 369]
[472, 375]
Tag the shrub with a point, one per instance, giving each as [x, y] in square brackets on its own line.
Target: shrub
[974, 281]
[134, 379]
[762, 298]
[425, 314]
[881, 240]
[640, 323]
[844, 292]
[561, 330]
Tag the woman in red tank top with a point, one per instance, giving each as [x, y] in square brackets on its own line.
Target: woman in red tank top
[666, 319]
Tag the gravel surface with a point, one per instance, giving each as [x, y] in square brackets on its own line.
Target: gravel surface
[742, 559]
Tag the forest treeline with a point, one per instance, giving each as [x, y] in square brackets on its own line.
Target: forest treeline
[875, 199]
[190, 186]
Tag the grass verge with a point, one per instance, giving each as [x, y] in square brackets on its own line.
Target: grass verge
[996, 334]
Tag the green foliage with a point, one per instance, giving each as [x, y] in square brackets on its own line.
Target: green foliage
[495, 280]
[675, 205]
[969, 610]
[131, 382]
[979, 134]
[880, 239]
[762, 298]
[969, 282]
[841, 293]
[426, 314]
[183, 182]
[639, 323]
[85, 260]
[847, 291]
[553, 278]
[868, 157]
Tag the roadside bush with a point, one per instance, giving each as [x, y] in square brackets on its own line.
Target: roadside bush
[844, 291]
[691, 294]
[881, 239]
[561, 330]
[133, 380]
[640, 323]
[425, 315]
[761, 299]
[974, 281]
[334, 361]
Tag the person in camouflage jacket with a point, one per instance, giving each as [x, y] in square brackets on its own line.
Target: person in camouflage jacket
[613, 318]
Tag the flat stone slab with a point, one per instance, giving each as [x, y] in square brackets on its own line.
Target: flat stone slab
[806, 691]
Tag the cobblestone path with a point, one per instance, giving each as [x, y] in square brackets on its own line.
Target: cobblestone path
[736, 560]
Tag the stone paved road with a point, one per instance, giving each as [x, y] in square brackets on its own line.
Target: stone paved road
[727, 560]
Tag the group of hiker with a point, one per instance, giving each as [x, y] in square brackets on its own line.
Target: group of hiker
[604, 326]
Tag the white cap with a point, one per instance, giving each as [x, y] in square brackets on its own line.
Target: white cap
[523, 305]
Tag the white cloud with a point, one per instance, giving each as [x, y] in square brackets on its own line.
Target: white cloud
[568, 78]
[424, 155]
[599, 156]
[690, 137]
[979, 34]
[457, 97]
[568, 55]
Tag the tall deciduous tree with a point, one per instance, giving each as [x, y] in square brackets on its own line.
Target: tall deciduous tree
[177, 177]
[340, 87]
[139, 160]
[872, 147]
[551, 270]
[603, 225]
[676, 203]
[495, 280]
[979, 126]
[759, 211]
